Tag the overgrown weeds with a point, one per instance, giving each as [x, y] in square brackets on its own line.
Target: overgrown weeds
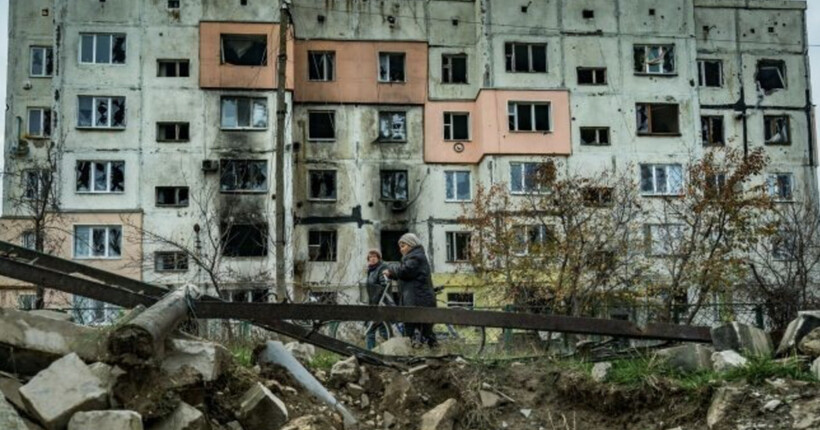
[323, 360]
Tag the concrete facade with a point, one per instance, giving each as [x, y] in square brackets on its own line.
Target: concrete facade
[354, 96]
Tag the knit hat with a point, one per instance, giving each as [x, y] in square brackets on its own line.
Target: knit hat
[376, 252]
[410, 239]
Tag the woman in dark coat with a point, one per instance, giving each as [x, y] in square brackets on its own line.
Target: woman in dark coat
[378, 294]
[415, 285]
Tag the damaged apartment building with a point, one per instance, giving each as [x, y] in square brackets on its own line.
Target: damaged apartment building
[164, 114]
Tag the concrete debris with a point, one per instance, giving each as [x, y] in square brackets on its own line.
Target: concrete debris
[442, 417]
[389, 420]
[10, 388]
[743, 338]
[399, 346]
[772, 405]
[815, 368]
[722, 402]
[354, 390]
[307, 422]
[55, 315]
[690, 357]
[184, 417]
[806, 415]
[108, 420]
[810, 344]
[600, 371]
[9, 418]
[304, 352]
[233, 425]
[805, 322]
[489, 399]
[206, 358]
[67, 386]
[399, 394]
[260, 409]
[365, 401]
[526, 412]
[723, 361]
[344, 371]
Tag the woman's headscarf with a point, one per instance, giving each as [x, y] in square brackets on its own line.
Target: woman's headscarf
[410, 239]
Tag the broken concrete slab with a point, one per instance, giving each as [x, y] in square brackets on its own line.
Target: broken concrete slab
[9, 418]
[10, 388]
[184, 417]
[397, 346]
[55, 315]
[815, 368]
[489, 399]
[206, 358]
[806, 414]
[690, 357]
[67, 386]
[108, 420]
[399, 394]
[722, 401]
[304, 352]
[742, 338]
[442, 417]
[723, 361]
[805, 322]
[810, 344]
[345, 371]
[600, 371]
[260, 409]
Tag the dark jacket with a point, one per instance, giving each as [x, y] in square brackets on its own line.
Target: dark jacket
[415, 281]
[376, 283]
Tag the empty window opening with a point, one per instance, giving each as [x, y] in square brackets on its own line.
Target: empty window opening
[255, 295]
[243, 2]
[244, 113]
[100, 176]
[661, 179]
[394, 185]
[781, 186]
[531, 239]
[457, 184]
[389, 241]
[322, 245]
[456, 126]
[34, 184]
[173, 4]
[321, 125]
[525, 57]
[654, 59]
[591, 75]
[771, 75]
[710, 73]
[711, 130]
[460, 300]
[101, 112]
[595, 136]
[172, 196]
[42, 61]
[322, 185]
[529, 177]
[657, 119]
[97, 241]
[391, 67]
[651, 12]
[245, 49]
[321, 65]
[528, 116]
[244, 240]
[598, 196]
[39, 122]
[588, 14]
[102, 48]
[458, 246]
[173, 68]
[665, 239]
[392, 126]
[776, 130]
[28, 240]
[454, 69]
[715, 184]
[170, 261]
[243, 176]
[771, 29]
[172, 132]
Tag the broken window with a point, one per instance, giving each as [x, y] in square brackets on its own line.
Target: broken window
[711, 130]
[661, 179]
[392, 126]
[322, 185]
[256, 295]
[780, 186]
[172, 196]
[598, 196]
[391, 67]
[654, 59]
[525, 57]
[531, 239]
[776, 130]
[101, 112]
[42, 61]
[170, 261]
[454, 69]
[100, 176]
[102, 48]
[591, 75]
[588, 13]
[665, 239]
[39, 122]
[715, 184]
[458, 246]
[389, 241]
[26, 302]
[594, 135]
[243, 175]
[321, 245]
[244, 240]
[321, 125]
[173, 68]
[657, 118]
[528, 177]
[92, 241]
[28, 239]
[784, 245]
[528, 116]
[710, 73]
[394, 185]
[34, 182]
[173, 4]
[244, 113]
[457, 185]
[456, 126]
[245, 49]
[172, 132]
[321, 65]
[771, 75]
[461, 300]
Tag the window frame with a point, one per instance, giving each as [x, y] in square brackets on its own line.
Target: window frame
[649, 106]
[448, 125]
[332, 116]
[247, 36]
[454, 182]
[108, 177]
[333, 254]
[47, 53]
[645, 70]
[28, 239]
[177, 128]
[524, 190]
[650, 239]
[389, 114]
[325, 55]
[509, 66]
[382, 174]
[94, 113]
[43, 121]
[702, 80]
[158, 255]
[447, 69]
[779, 65]
[773, 187]
[514, 116]
[226, 162]
[96, 36]
[389, 79]
[310, 174]
[107, 254]
[176, 62]
[33, 181]
[225, 237]
[453, 253]
[655, 185]
[767, 130]
[595, 72]
[177, 199]
[524, 248]
[598, 132]
[709, 122]
[252, 101]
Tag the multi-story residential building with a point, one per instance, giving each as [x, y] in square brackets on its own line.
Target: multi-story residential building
[164, 113]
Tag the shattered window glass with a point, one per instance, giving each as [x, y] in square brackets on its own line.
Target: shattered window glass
[394, 185]
[321, 65]
[711, 129]
[244, 240]
[245, 49]
[102, 48]
[456, 126]
[172, 196]
[528, 116]
[100, 176]
[657, 118]
[528, 177]
[170, 261]
[776, 131]
[244, 112]
[661, 179]
[780, 186]
[98, 241]
[244, 175]
[322, 184]
[322, 245]
[391, 67]
[654, 59]
[392, 126]
[97, 112]
[102, 112]
[771, 75]
[458, 249]
[457, 185]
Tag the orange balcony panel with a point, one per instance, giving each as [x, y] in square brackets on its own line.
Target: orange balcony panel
[356, 73]
[490, 133]
[213, 73]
